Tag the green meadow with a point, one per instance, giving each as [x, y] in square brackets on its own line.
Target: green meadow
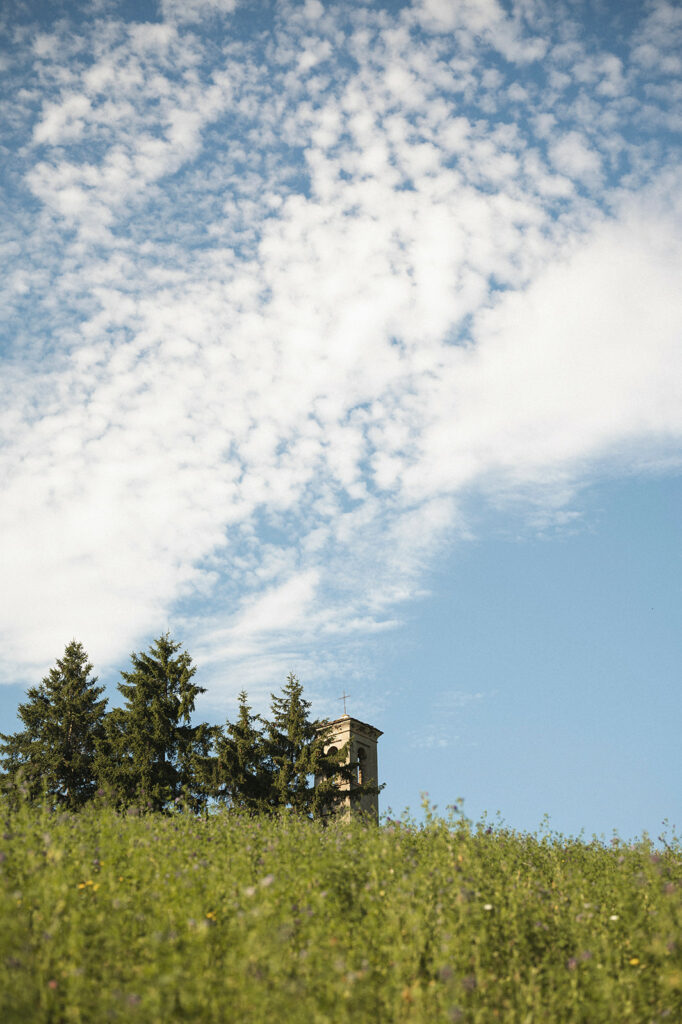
[227, 918]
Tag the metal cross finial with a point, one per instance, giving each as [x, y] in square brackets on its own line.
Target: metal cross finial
[344, 698]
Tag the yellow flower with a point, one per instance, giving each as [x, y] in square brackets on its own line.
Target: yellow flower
[634, 960]
[81, 885]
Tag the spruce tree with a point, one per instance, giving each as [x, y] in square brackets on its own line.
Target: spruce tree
[150, 751]
[291, 735]
[63, 720]
[243, 776]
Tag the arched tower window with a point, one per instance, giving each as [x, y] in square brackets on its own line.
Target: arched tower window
[330, 771]
[362, 762]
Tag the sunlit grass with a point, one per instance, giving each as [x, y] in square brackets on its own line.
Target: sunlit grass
[150, 918]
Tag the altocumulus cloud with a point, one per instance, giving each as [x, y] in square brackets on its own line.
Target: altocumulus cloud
[284, 281]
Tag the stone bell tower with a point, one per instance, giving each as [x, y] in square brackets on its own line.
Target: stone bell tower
[362, 747]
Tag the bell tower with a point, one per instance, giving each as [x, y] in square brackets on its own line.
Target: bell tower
[362, 747]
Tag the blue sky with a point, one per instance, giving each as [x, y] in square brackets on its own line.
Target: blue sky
[345, 339]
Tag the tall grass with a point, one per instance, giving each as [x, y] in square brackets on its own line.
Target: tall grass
[230, 919]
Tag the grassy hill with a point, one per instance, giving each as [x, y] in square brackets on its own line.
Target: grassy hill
[229, 919]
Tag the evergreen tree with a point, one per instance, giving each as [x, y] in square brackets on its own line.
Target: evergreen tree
[243, 776]
[63, 719]
[150, 752]
[195, 763]
[291, 735]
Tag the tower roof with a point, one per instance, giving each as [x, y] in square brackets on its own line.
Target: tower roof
[355, 721]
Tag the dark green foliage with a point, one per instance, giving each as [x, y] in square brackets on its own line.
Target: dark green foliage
[243, 778]
[291, 738]
[150, 754]
[63, 719]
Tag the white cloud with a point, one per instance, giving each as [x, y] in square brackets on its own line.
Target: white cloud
[287, 605]
[579, 365]
[656, 46]
[62, 121]
[193, 11]
[572, 155]
[472, 19]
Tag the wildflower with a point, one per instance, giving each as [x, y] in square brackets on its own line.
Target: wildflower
[614, 917]
[633, 961]
[487, 906]
[52, 983]
[268, 880]
[249, 890]
[572, 963]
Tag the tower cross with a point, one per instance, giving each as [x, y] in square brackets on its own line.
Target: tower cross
[344, 699]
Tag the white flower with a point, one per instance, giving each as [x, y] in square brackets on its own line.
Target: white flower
[614, 917]
[487, 906]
